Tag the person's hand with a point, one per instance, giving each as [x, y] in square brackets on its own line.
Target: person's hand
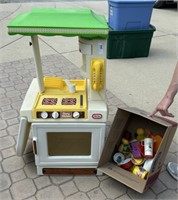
[162, 107]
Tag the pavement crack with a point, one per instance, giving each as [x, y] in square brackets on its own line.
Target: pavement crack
[11, 42]
[49, 45]
[11, 13]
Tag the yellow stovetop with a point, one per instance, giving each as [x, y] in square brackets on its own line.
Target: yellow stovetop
[57, 97]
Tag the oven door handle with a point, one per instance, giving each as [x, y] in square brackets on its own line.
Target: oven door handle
[35, 146]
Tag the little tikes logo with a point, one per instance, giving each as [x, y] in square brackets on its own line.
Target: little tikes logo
[97, 116]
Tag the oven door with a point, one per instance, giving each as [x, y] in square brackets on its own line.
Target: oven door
[68, 144]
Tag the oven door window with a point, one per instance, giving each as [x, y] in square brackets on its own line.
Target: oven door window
[69, 143]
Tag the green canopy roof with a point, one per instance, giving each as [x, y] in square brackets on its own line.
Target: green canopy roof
[57, 21]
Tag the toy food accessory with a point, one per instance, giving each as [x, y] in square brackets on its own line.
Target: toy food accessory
[118, 158]
[148, 147]
[148, 163]
[125, 146]
[140, 171]
[135, 149]
[126, 164]
[140, 134]
[157, 141]
[156, 138]
[137, 161]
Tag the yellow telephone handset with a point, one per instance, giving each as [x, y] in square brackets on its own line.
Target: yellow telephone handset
[97, 74]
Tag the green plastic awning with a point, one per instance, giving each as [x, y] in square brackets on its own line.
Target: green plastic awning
[57, 21]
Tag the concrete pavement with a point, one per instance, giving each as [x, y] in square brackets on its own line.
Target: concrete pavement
[138, 82]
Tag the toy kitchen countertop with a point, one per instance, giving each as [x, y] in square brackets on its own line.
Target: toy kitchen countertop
[59, 102]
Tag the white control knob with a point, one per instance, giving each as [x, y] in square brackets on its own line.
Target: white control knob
[55, 115]
[76, 115]
[44, 115]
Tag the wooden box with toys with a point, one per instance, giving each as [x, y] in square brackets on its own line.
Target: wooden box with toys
[136, 148]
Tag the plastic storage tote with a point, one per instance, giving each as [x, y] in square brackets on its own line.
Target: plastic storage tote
[130, 14]
[129, 44]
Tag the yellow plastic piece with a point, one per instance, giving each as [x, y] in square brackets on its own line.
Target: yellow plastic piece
[140, 134]
[56, 88]
[125, 142]
[137, 161]
[139, 171]
[140, 131]
[54, 82]
[59, 83]
[80, 84]
[97, 74]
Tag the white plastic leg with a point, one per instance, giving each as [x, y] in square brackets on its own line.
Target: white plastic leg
[39, 170]
[99, 173]
[24, 129]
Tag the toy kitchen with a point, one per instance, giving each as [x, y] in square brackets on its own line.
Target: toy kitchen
[67, 117]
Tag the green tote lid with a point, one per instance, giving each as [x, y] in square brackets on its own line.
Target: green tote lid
[56, 21]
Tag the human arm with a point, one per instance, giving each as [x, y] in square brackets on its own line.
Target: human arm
[168, 98]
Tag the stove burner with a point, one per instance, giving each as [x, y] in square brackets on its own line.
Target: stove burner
[49, 101]
[69, 101]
